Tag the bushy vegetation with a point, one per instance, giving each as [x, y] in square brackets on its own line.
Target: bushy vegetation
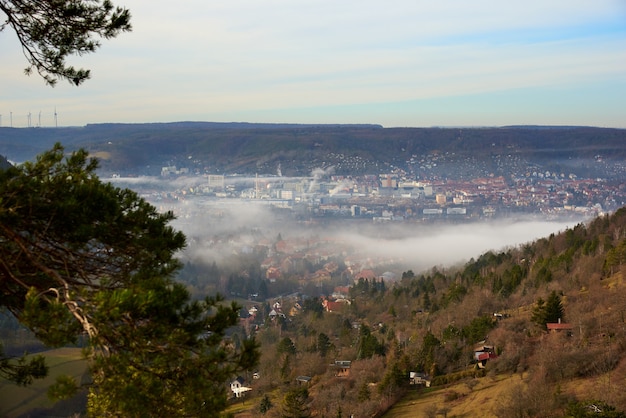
[431, 323]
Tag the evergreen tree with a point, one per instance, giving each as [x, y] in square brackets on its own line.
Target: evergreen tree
[22, 371]
[554, 308]
[295, 403]
[313, 305]
[52, 30]
[393, 380]
[82, 257]
[286, 346]
[430, 345]
[324, 345]
[266, 404]
[369, 344]
[548, 311]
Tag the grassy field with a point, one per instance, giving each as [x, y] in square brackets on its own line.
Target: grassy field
[460, 400]
[466, 399]
[482, 398]
[16, 400]
[470, 398]
[248, 406]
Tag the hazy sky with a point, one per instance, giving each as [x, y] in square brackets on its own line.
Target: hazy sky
[395, 63]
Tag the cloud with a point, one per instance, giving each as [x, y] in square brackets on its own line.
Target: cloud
[249, 60]
[217, 229]
[422, 247]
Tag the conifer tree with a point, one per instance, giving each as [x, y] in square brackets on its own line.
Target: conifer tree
[80, 257]
[266, 404]
[554, 308]
[52, 30]
[295, 403]
[548, 311]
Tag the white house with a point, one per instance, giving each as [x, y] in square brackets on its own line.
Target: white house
[238, 388]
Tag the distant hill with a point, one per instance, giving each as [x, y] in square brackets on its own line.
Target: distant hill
[297, 149]
[4, 163]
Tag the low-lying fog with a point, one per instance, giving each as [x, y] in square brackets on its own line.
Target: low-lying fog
[216, 228]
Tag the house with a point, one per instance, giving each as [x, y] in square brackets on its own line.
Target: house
[238, 388]
[331, 306]
[303, 380]
[416, 378]
[482, 353]
[366, 274]
[273, 315]
[342, 367]
[272, 274]
[341, 292]
[559, 326]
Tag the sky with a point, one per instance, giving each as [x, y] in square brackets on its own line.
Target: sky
[398, 63]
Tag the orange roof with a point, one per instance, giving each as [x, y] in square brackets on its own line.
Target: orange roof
[558, 326]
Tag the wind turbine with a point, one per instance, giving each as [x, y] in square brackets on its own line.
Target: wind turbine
[56, 124]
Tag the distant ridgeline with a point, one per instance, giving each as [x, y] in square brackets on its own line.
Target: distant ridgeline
[247, 148]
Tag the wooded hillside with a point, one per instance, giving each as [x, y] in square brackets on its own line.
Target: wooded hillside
[260, 148]
[551, 312]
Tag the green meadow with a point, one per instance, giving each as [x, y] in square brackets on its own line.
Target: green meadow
[15, 401]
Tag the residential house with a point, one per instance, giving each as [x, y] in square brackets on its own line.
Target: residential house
[422, 379]
[272, 274]
[321, 275]
[341, 367]
[334, 306]
[364, 274]
[482, 353]
[341, 292]
[303, 380]
[238, 388]
[560, 327]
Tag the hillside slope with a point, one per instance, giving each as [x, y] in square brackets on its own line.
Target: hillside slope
[298, 149]
[435, 322]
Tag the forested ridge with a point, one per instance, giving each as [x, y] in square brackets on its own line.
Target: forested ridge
[503, 302]
[259, 148]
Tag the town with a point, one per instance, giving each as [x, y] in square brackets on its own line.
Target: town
[427, 189]
[299, 230]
